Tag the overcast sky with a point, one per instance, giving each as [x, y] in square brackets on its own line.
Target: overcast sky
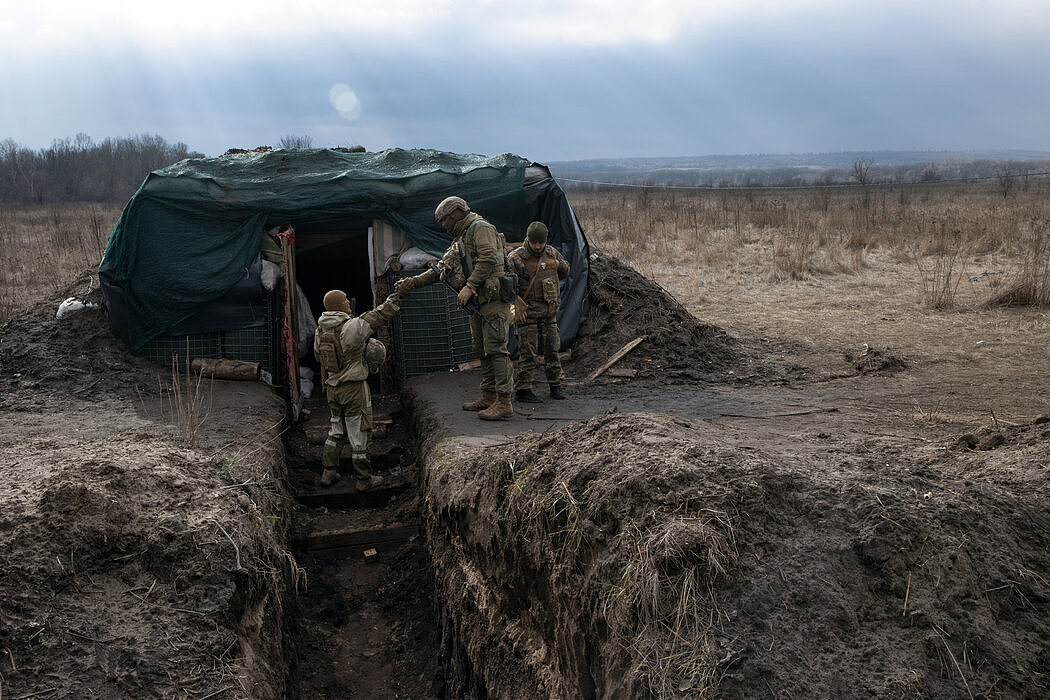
[546, 80]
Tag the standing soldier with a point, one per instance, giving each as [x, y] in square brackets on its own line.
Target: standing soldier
[485, 291]
[539, 267]
[347, 352]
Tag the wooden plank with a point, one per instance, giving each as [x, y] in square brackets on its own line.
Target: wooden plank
[331, 539]
[344, 495]
[615, 358]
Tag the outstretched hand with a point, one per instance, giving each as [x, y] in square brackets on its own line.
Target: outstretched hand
[404, 286]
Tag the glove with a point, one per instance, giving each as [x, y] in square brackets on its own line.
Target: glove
[465, 294]
[404, 286]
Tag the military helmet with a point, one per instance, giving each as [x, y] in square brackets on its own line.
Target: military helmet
[375, 354]
[449, 205]
[537, 232]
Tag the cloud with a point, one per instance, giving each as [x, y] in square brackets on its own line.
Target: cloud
[550, 79]
[273, 26]
[269, 24]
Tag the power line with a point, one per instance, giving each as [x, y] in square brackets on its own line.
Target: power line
[836, 185]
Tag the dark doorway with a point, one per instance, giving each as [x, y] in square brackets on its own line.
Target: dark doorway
[333, 254]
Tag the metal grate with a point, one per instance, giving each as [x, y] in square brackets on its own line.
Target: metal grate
[259, 344]
[431, 332]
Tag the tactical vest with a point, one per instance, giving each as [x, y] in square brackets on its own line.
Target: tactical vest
[341, 362]
[490, 289]
[542, 270]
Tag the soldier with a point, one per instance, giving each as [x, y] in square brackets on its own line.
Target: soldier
[347, 352]
[478, 248]
[538, 267]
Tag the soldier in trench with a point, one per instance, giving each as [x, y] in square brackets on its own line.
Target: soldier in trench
[538, 267]
[347, 352]
[487, 291]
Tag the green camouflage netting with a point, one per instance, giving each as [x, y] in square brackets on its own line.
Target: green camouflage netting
[193, 228]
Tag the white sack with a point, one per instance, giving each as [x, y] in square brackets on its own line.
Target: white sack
[72, 305]
[414, 259]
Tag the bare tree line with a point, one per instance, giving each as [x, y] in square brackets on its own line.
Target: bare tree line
[80, 170]
[864, 172]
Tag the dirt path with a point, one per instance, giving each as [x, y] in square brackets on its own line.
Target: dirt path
[368, 614]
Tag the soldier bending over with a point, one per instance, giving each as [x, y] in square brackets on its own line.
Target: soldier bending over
[480, 247]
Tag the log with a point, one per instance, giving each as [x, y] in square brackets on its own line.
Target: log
[226, 369]
[615, 358]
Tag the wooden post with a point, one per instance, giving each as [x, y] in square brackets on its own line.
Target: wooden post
[223, 368]
[290, 321]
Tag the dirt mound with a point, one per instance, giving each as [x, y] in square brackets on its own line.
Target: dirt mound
[133, 564]
[873, 361]
[990, 437]
[671, 558]
[677, 347]
[76, 355]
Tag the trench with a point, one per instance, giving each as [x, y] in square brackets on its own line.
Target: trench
[366, 621]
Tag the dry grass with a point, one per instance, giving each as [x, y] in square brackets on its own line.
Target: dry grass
[1030, 286]
[941, 269]
[47, 247]
[668, 589]
[188, 403]
[936, 274]
[813, 233]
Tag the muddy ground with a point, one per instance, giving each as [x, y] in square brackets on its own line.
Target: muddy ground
[729, 514]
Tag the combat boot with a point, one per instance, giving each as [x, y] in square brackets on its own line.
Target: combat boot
[527, 396]
[556, 392]
[369, 482]
[328, 477]
[500, 410]
[487, 399]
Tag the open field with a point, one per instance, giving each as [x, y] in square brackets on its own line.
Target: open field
[931, 274]
[823, 474]
[47, 247]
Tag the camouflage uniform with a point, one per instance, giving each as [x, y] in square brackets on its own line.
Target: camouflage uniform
[483, 246]
[538, 276]
[339, 345]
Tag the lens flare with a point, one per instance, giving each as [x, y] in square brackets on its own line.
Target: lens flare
[345, 101]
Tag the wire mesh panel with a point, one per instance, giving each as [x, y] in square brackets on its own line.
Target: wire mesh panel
[259, 344]
[183, 348]
[432, 331]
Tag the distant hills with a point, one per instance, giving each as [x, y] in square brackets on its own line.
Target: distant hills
[799, 169]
